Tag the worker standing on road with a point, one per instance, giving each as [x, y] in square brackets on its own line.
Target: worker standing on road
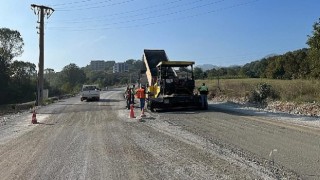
[133, 92]
[128, 95]
[141, 94]
[203, 93]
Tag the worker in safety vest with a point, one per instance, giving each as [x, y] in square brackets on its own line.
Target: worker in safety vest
[203, 93]
[141, 94]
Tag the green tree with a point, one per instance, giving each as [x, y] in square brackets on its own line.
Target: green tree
[134, 66]
[4, 73]
[212, 73]
[291, 66]
[314, 52]
[11, 44]
[304, 67]
[49, 75]
[233, 71]
[22, 72]
[254, 69]
[72, 77]
[22, 86]
[198, 73]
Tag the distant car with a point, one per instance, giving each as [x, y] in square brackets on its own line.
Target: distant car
[90, 92]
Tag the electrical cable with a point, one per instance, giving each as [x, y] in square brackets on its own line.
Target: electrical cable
[95, 7]
[153, 23]
[109, 16]
[152, 17]
[78, 2]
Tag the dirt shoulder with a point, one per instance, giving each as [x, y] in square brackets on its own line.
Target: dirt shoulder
[271, 113]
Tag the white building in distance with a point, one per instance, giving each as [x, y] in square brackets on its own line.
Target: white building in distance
[120, 67]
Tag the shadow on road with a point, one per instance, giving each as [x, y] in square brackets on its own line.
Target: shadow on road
[48, 124]
[109, 100]
[229, 110]
[211, 108]
[179, 111]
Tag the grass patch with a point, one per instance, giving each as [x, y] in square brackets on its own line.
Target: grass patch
[299, 91]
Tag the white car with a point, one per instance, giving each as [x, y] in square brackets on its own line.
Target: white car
[90, 92]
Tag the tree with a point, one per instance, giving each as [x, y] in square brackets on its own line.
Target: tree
[49, 75]
[254, 69]
[314, 52]
[11, 44]
[304, 69]
[72, 77]
[291, 66]
[4, 73]
[22, 72]
[198, 73]
[233, 71]
[22, 86]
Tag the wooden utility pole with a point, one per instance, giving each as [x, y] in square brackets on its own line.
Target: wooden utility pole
[41, 11]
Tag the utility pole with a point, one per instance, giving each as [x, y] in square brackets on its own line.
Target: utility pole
[41, 11]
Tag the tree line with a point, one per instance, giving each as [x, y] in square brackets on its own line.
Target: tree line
[18, 79]
[299, 64]
[291, 65]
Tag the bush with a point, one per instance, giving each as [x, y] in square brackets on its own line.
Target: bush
[262, 93]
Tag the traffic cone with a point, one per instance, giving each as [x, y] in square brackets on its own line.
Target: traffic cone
[131, 115]
[34, 117]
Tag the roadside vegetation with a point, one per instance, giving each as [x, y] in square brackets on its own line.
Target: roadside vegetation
[298, 91]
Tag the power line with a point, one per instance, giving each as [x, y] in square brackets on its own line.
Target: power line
[109, 16]
[77, 2]
[157, 22]
[95, 7]
[153, 17]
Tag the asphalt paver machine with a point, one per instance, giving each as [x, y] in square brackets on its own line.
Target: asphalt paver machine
[170, 84]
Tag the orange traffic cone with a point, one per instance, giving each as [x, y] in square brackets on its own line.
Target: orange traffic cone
[34, 117]
[131, 115]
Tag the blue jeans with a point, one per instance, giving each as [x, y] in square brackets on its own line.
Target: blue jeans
[142, 103]
[204, 100]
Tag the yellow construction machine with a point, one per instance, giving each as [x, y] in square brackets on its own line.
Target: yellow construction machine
[170, 84]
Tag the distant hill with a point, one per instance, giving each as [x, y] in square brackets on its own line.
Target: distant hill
[205, 67]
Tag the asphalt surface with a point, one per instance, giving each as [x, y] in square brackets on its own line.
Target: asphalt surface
[98, 140]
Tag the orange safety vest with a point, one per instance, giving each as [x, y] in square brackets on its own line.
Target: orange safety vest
[140, 93]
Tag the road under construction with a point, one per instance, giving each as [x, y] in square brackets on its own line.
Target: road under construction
[98, 140]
